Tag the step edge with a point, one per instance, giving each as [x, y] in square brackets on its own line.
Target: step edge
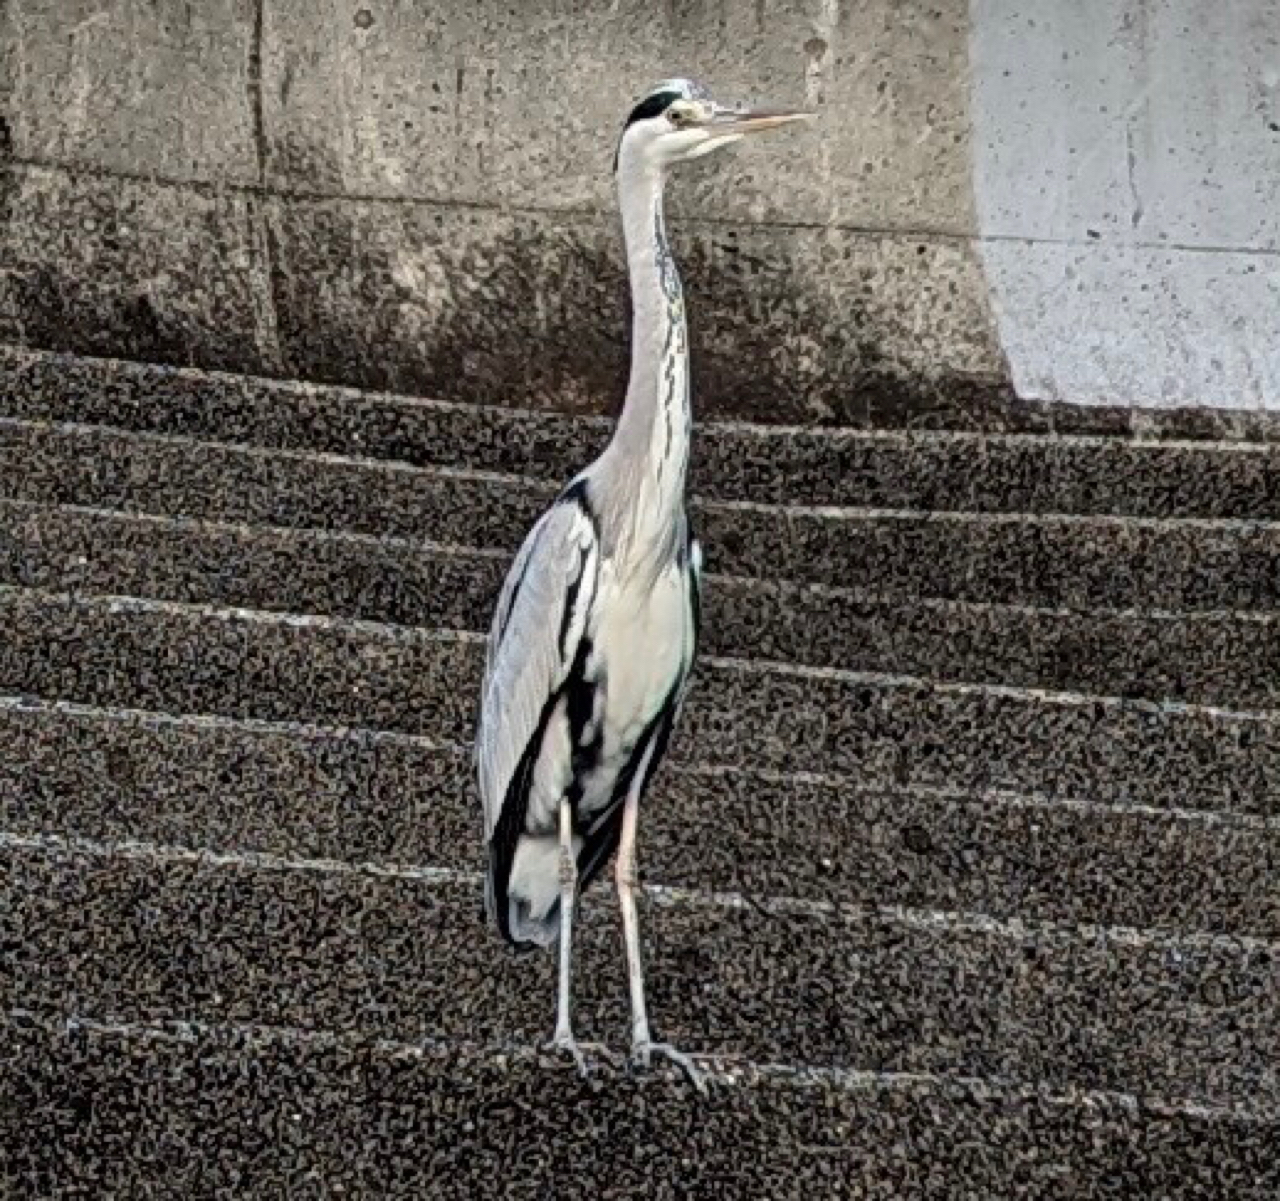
[229, 614]
[314, 389]
[723, 1070]
[547, 490]
[58, 710]
[431, 549]
[1013, 930]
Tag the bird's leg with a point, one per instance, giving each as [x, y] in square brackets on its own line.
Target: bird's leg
[563, 1039]
[642, 1045]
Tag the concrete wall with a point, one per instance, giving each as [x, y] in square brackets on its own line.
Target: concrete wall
[1127, 175]
[418, 197]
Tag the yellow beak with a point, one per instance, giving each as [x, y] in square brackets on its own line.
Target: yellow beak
[728, 123]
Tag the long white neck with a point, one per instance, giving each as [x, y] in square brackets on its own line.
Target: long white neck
[649, 452]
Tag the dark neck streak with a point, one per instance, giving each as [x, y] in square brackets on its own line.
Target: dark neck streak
[650, 447]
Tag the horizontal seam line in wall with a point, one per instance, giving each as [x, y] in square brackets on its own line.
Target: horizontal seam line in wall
[854, 785]
[546, 490]
[425, 549]
[393, 633]
[216, 188]
[1012, 929]
[723, 1069]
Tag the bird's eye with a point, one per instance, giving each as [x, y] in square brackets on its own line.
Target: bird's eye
[677, 116]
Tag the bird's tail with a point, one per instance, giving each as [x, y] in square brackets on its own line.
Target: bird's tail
[527, 911]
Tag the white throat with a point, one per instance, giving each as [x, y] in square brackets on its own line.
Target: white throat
[650, 447]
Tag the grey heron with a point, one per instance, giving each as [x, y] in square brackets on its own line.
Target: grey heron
[596, 626]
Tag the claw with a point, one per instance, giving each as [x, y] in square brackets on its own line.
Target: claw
[642, 1052]
[566, 1044]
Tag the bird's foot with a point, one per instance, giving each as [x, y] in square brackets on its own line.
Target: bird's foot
[566, 1044]
[643, 1052]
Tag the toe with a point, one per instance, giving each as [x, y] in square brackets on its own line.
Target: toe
[570, 1046]
[679, 1059]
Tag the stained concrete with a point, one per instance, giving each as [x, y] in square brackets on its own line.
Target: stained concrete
[450, 301]
[103, 265]
[433, 203]
[438, 218]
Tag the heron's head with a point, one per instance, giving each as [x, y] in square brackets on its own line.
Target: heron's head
[680, 120]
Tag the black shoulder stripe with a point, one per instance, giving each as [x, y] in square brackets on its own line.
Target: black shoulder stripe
[695, 602]
[576, 494]
[571, 602]
[586, 739]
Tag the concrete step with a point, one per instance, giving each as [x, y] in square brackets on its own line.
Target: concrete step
[145, 937]
[1080, 563]
[1206, 657]
[932, 471]
[888, 729]
[308, 793]
[131, 1111]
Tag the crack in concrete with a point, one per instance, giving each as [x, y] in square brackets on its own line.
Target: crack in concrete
[267, 328]
[906, 233]
[1131, 160]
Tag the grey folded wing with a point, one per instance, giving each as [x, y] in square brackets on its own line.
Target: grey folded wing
[540, 621]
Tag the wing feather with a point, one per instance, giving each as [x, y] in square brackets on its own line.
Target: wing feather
[538, 625]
